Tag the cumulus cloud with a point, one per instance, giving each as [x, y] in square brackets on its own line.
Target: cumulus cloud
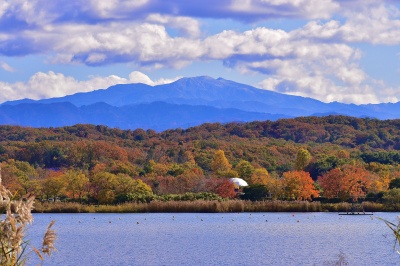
[38, 12]
[327, 71]
[317, 67]
[377, 24]
[139, 77]
[186, 25]
[137, 31]
[144, 44]
[316, 60]
[48, 85]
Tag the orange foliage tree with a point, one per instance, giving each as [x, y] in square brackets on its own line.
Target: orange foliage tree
[357, 181]
[298, 185]
[349, 182]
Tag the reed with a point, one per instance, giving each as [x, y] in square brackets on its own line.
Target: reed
[373, 207]
[15, 216]
[366, 206]
[336, 207]
[203, 206]
[395, 228]
[198, 206]
[62, 207]
[282, 206]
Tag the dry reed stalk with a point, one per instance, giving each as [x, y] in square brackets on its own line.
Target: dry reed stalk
[49, 240]
[16, 215]
[395, 228]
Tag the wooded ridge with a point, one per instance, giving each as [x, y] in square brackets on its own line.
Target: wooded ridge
[110, 165]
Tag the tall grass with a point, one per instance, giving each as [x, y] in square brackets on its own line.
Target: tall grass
[337, 207]
[345, 207]
[196, 206]
[282, 206]
[203, 206]
[63, 207]
[373, 207]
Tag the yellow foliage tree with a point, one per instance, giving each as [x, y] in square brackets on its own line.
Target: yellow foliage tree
[302, 159]
[260, 176]
[77, 184]
[220, 163]
[53, 185]
[245, 170]
[380, 177]
[154, 169]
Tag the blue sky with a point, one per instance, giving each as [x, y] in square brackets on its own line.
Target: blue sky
[330, 50]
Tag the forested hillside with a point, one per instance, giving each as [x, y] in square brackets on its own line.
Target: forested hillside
[108, 165]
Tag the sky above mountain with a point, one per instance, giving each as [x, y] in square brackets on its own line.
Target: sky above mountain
[331, 50]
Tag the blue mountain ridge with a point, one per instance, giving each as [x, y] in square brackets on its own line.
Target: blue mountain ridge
[158, 116]
[183, 103]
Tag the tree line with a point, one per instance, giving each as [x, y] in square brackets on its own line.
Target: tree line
[334, 157]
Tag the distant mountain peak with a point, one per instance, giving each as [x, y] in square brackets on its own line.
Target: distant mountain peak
[195, 99]
[195, 80]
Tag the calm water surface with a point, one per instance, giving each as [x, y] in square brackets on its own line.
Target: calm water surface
[217, 239]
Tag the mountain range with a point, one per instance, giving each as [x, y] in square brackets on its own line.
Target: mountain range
[184, 103]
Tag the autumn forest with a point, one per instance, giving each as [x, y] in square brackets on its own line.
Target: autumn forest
[328, 159]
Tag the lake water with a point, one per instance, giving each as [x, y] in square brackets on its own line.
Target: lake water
[217, 239]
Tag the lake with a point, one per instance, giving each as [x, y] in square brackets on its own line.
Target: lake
[217, 239]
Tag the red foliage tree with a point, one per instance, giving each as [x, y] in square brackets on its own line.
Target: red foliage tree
[221, 186]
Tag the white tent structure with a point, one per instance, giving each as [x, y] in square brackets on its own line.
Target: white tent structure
[238, 182]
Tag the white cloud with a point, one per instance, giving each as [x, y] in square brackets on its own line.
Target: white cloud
[375, 23]
[3, 7]
[188, 26]
[313, 61]
[6, 67]
[296, 65]
[310, 9]
[30, 12]
[145, 44]
[260, 42]
[40, 12]
[317, 60]
[95, 58]
[323, 89]
[114, 8]
[139, 77]
[48, 85]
